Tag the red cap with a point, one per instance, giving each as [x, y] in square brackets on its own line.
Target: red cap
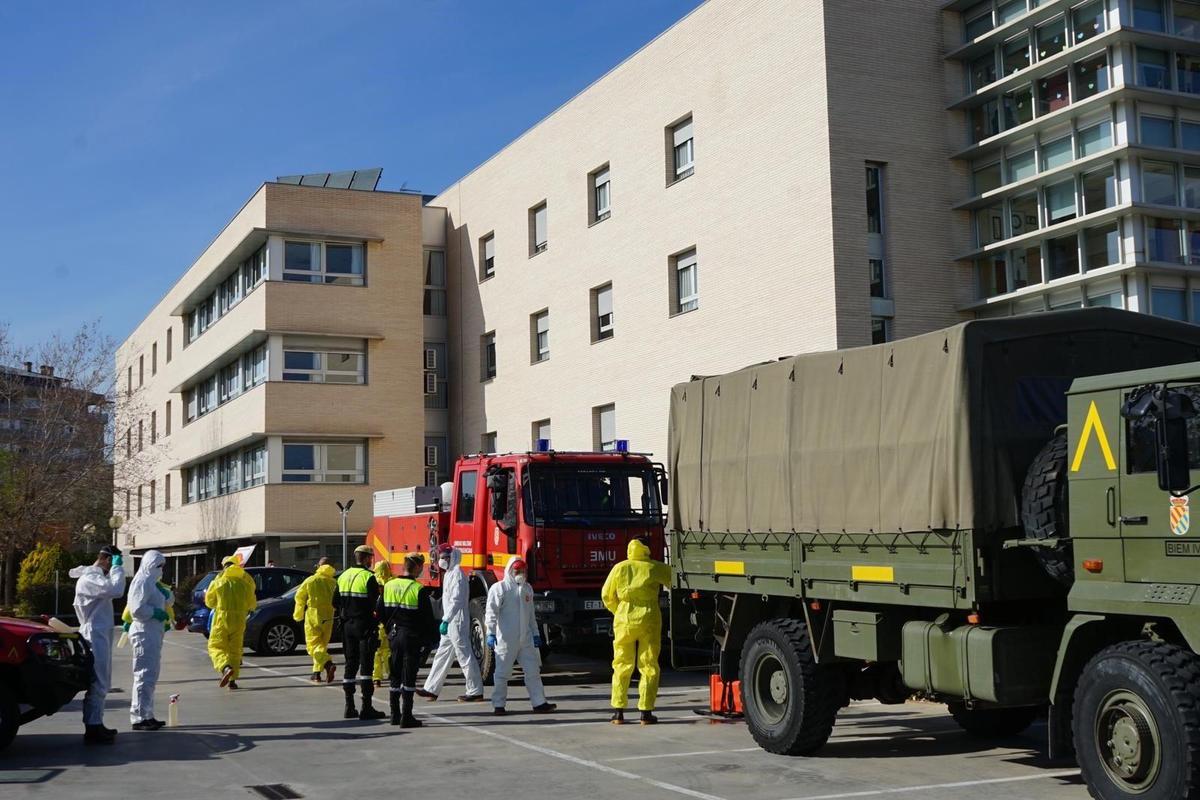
[518, 563]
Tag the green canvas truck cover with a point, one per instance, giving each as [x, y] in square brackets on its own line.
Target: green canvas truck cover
[929, 433]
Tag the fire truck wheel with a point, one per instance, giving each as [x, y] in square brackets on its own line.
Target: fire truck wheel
[485, 657]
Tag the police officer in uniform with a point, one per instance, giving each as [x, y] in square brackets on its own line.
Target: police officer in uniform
[407, 615]
[355, 599]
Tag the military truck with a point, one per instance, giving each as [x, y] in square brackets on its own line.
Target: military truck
[994, 516]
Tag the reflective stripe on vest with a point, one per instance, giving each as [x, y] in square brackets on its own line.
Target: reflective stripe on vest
[401, 593]
[353, 582]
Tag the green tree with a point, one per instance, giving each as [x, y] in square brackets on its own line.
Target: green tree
[35, 582]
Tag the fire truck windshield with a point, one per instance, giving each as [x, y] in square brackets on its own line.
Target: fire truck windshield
[579, 495]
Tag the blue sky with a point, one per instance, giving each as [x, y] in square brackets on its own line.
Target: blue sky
[131, 132]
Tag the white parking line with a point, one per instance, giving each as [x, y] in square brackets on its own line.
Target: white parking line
[1068, 773]
[685, 755]
[583, 762]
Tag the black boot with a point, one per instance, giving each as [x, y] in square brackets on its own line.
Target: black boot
[407, 719]
[618, 717]
[351, 712]
[394, 706]
[368, 712]
[98, 734]
[648, 718]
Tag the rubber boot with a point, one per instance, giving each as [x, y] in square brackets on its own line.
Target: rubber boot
[394, 707]
[618, 717]
[648, 718]
[351, 712]
[407, 719]
[368, 712]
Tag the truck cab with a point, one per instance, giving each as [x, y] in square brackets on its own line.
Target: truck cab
[569, 515]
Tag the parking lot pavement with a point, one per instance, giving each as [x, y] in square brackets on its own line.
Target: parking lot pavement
[278, 729]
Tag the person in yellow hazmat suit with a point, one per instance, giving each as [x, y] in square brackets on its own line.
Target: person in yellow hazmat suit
[383, 655]
[631, 594]
[231, 598]
[314, 607]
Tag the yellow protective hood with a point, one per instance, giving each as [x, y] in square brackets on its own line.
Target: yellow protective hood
[326, 571]
[383, 572]
[638, 551]
[234, 571]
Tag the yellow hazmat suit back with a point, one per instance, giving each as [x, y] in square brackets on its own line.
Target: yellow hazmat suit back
[631, 594]
[231, 598]
[383, 653]
[314, 607]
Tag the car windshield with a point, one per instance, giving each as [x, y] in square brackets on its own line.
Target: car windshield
[290, 594]
[586, 495]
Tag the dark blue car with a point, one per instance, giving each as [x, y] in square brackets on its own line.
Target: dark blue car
[268, 582]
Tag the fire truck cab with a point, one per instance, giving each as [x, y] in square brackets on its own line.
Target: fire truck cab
[570, 516]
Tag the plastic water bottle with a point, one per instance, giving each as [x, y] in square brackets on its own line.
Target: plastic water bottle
[173, 712]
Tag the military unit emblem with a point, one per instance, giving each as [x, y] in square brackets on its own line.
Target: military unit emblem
[1180, 517]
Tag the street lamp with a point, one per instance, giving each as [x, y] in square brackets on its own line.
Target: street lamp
[344, 510]
[115, 522]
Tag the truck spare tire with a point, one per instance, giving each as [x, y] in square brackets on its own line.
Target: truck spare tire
[1044, 509]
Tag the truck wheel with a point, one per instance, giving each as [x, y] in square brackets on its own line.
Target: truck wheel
[483, 654]
[1044, 508]
[993, 723]
[1137, 722]
[10, 717]
[789, 700]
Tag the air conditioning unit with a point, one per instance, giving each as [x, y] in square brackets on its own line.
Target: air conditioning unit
[430, 477]
[430, 383]
[430, 358]
[431, 456]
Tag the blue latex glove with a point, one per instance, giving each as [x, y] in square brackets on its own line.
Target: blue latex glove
[444, 628]
[537, 640]
[160, 614]
[491, 640]
[117, 561]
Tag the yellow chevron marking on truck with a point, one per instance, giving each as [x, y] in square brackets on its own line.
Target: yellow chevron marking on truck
[729, 567]
[1093, 424]
[872, 574]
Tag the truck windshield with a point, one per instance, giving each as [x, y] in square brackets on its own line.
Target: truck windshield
[585, 496]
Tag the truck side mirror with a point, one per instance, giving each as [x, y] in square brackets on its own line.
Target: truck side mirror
[662, 490]
[1172, 439]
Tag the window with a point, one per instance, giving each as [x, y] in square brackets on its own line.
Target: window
[129, 382]
[435, 283]
[977, 21]
[1152, 68]
[985, 120]
[874, 198]
[1169, 303]
[1091, 76]
[1022, 166]
[1102, 246]
[128, 502]
[538, 235]
[602, 313]
[1187, 21]
[167, 420]
[153, 427]
[431, 456]
[170, 336]
[993, 277]
[487, 442]
[604, 424]
[1016, 54]
[139, 500]
[167, 492]
[1094, 139]
[154, 359]
[539, 336]
[322, 366]
[1158, 183]
[601, 194]
[1162, 240]
[1007, 12]
[1018, 106]
[1051, 38]
[1088, 21]
[487, 356]
[987, 178]
[1053, 93]
[878, 287]
[231, 379]
[323, 462]
[1023, 214]
[129, 442]
[464, 507]
[1060, 202]
[1099, 190]
[1056, 153]
[1110, 300]
[540, 430]
[1191, 187]
[141, 434]
[141, 371]
[983, 70]
[254, 270]
[1187, 73]
[880, 330]
[685, 294]
[683, 153]
[1027, 267]
[1158, 131]
[436, 375]
[1149, 14]
[254, 466]
[989, 225]
[487, 257]
[1189, 135]
[1062, 256]
[323, 262]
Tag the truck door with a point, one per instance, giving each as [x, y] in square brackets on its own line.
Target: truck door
[463, 516]
[1161, 543]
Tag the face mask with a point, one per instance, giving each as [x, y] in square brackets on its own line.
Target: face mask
[444, 564]
[519, 578]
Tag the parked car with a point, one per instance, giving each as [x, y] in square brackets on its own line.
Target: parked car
[41, 670]
[269, 582]
[271, 631]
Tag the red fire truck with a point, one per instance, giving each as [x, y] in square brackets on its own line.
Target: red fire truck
[569, 515]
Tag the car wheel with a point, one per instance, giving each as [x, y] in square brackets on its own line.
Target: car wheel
[278, 638]
[10, 717]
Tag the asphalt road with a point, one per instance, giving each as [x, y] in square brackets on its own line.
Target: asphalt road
[278, 729]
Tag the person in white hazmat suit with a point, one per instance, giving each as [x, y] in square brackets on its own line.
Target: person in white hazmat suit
[96, 586]
[455, 629]
[513, 633]
[149, 609]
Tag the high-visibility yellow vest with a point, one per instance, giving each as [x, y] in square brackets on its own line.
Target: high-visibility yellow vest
[402, 593]
[353, 582]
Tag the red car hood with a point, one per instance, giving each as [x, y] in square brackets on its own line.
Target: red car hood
[23, 626]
